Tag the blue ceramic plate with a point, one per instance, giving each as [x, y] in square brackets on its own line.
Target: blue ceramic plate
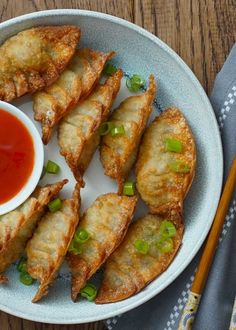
[138, 51]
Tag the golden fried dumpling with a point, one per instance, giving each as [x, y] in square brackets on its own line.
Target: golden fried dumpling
[106, 222]
[166, 162]
[75, 83]
[77, 133]
[34, 59]
[48, 246]
[17, 226]
[118, 153]
[149, 246]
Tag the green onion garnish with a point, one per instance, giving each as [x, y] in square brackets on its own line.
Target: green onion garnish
[134, 83]
[106, 127]
[173, 145]
[141, 246]
[26, 279]
[44, 171]
[75, 248]
[81, 236]
[165, 245]
[21, 266]
[118, 130]
[52, 167]
[55, 205]
[109, 69]
[89, 291]
[179, 167]
[129, 188]
[167, 229]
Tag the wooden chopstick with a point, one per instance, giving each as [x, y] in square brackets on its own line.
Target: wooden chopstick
[191, 307]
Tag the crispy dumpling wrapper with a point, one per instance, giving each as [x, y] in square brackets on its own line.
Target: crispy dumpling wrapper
[47, 248]
[119, 153]
[78, 137]
[16, 227]
[106, 221]
[34, 59]
[127, 270]
[158, 183]
[74, 84]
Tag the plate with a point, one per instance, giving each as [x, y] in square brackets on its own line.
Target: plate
[138, 51]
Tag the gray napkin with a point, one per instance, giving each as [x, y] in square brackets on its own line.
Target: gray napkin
[164, 311]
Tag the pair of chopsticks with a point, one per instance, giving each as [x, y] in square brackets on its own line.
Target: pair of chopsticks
[194, 298]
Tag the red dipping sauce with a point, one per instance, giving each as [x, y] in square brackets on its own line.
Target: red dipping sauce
[16, 156]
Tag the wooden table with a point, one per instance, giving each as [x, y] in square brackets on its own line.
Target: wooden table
[202, 32]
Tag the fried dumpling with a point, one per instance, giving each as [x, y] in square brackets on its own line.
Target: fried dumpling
[166, 162]
[48, 246]
[75, 83]
[77, 133]
[106, 222]
[34, 59]
[118, 153]
[146, 252]
[17, 226]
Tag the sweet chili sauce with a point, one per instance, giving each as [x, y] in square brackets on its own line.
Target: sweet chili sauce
[16, 156]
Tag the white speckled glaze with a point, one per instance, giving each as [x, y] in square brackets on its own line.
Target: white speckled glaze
[137, 52]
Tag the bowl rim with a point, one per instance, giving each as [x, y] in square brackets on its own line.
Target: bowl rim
[34, 177]
[202, 94]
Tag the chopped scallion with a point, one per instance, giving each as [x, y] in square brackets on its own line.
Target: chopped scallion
[75, 248]
[134, 83]
[167, 229]
[118, 130]
[179, 166]
[173, 145]
[81, 236]
[89, 291]
[21, 266]
[106, 127]
[109, 69]
[55, 205]
[26, 279]
[129, 188]
[52, 167]
[165, 245]
[141, 246]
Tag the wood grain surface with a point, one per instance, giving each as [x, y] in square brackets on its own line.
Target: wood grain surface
[202, 32]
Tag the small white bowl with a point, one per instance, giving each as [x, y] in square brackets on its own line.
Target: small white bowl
[32, 181]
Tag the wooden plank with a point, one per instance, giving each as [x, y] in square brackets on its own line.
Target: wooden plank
[202, 32]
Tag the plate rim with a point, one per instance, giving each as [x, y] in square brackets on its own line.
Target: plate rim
[202, 93]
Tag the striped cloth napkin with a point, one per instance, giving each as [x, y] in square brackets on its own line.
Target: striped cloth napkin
[164, 311]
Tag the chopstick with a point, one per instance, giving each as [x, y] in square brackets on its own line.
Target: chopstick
[194, 298]
[233, 317]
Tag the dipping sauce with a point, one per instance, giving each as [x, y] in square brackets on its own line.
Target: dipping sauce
[16, 156]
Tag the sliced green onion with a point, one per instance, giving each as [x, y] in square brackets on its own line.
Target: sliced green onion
[44, 171]
[21, 266]
[141, 246]
[55, 205]
[26, 279]
[52, 167]
[173, 145]
[106, 127]
[134, 83]
[118, 130]
[167, 229]
[165, 245]
[129, 188]
[179, 166]
[89, 291]
[81, 236]
[109, 69]
[75, 248]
